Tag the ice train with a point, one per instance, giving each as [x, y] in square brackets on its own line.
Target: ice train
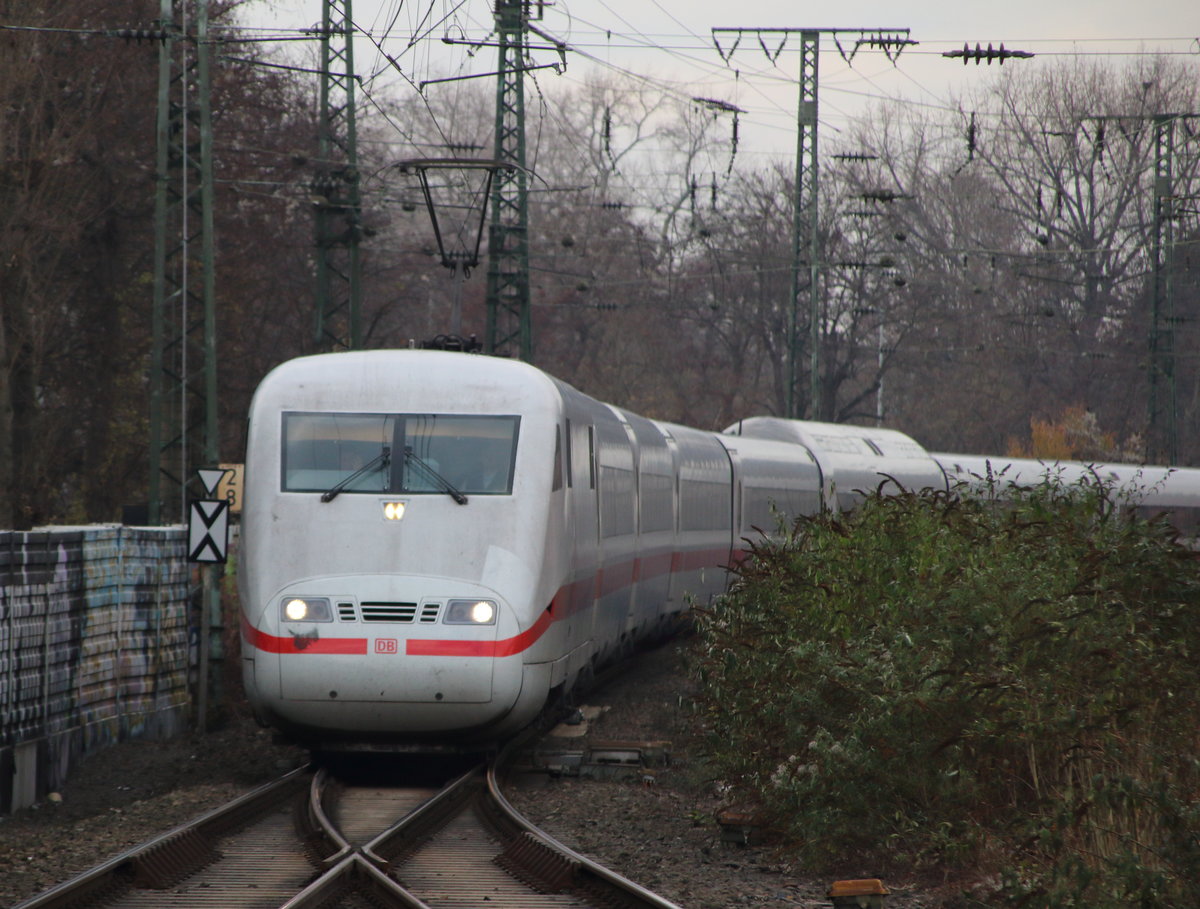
[435, 545]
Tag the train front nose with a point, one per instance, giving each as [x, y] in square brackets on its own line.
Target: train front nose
[384, 656]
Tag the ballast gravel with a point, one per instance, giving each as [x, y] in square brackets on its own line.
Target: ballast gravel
[655, 825]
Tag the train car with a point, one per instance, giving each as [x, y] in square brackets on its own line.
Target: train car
[855, 460]
[436, 545]
[775, 481]
[1172, 493]
[978, 471]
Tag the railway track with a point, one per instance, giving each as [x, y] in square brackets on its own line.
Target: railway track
[322, 838]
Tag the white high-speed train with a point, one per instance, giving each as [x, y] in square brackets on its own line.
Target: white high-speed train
[435, 545]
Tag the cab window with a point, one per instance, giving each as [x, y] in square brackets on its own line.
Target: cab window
[399, 453]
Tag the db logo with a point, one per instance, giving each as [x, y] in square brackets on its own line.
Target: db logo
[387, 645]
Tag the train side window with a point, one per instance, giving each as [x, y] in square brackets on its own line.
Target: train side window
[591, 457]
[558, 471]
[570, 471]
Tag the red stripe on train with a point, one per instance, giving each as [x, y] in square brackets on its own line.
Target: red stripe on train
[506, 647]
[270, 643]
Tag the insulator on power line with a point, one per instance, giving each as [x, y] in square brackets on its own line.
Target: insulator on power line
[891, 45]
[733, 145]
[142, 34]
[971, 145]
[1001, 53]
[718, 106]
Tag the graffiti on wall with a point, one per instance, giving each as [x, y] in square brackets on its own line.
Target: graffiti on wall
[93, 647]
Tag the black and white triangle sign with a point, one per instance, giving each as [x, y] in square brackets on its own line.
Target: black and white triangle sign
[211, 478]
[208, 530]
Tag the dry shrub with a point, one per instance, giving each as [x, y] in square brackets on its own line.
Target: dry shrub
[1005, 694]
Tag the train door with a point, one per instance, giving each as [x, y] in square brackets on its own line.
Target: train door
[705, 530]
[655, 525]
[615, 488]
[580, 593]
[736, 497]
[674, 602]
[630, 546]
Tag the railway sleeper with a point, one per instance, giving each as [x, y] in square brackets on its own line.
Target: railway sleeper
[169, 861]
[538, 866]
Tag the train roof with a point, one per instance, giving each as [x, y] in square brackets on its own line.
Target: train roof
[378, 379]
[868, 441]
[1145, 484]
[853, 459]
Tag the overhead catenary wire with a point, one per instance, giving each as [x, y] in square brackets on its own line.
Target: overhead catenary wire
[645, 40]
[651, 81]
[747, 78]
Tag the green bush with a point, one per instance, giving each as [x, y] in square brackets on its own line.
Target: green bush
[1008, 693]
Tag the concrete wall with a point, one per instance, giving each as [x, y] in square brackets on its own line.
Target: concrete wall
[94, 647]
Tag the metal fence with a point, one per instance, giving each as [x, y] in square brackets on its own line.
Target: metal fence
[94, 647]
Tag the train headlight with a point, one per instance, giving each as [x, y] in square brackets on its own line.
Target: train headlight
[470, 612]
[307, 609]
[393, 511]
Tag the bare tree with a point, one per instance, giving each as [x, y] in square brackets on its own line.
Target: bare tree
[65, 209]
[76, 239]
[1072, 152]
[1026, 225]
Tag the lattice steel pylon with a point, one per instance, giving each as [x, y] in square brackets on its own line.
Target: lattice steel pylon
[806, 248]
[335, 186]
[183, 380]
[1162, 435]
[1162, 429]
[805, 215]
[508, 315]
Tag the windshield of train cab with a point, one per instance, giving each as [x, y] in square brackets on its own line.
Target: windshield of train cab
[413, 454]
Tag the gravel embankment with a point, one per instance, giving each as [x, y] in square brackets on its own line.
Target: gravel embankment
[656, 828]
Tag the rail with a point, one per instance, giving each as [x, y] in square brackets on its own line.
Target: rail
[316, 838]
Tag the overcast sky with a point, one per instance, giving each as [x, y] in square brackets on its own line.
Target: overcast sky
[670, 42]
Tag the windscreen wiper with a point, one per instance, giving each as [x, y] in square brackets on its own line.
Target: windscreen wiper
[379, 462]
[446, 486]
